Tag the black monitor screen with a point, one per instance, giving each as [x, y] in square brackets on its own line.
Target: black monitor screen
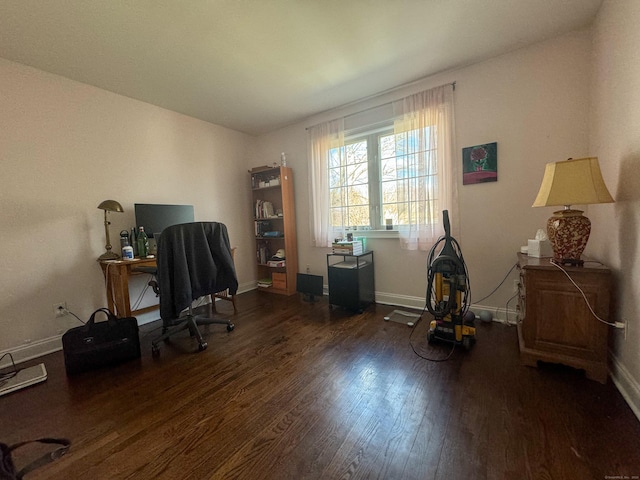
[155, 218]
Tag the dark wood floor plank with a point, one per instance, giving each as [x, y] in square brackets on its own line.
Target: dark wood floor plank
[301, 391]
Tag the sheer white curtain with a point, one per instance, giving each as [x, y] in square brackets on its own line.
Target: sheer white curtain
[431, 186]
[322, 139]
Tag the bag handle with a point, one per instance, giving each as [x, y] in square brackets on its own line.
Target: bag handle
[47, 457]
[110, 317]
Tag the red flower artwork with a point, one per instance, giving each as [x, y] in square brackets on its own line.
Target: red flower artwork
[478, 157]
[480, 163]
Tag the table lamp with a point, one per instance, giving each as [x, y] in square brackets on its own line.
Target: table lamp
[571, 182]
[109, 206]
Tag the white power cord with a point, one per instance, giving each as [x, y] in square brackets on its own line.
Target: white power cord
[611, 324]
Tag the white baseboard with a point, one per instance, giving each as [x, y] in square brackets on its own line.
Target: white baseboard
[397, 300]
[502, 315]
[626, 384]
[32, 350]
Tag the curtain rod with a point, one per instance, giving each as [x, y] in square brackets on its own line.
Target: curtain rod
[453, 84]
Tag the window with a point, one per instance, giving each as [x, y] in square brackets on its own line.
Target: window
[369, 178]
[400, 167]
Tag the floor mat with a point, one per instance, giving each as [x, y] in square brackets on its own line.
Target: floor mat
[401, 316]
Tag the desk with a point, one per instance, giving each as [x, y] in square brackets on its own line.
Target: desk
[117, 275]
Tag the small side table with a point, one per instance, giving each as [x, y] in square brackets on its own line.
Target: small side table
[351, 280]
[556, 325]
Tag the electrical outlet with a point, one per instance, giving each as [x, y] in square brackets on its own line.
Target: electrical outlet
[60, 309]
[516, 284]
[623, 326]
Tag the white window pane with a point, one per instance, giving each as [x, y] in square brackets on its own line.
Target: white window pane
[387, 146]
[388, 169]
[334, 158]
[356, 152]
[336, 177]
[389, 192]
[338, 216]
[390, 211]
[358, 216]
[358, 195]
[336, 197]
[358, 174]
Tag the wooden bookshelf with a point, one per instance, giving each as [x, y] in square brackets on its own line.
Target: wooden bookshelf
[275, 228]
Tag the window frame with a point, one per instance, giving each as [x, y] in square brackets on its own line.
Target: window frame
[372, 137]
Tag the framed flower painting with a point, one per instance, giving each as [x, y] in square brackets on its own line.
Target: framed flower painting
[480, 164]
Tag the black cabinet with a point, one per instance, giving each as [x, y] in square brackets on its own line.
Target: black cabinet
[351, 280]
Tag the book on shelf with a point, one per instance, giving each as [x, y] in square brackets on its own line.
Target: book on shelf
[261, 227]
[265, 282]
[264, 209]
[263, 254]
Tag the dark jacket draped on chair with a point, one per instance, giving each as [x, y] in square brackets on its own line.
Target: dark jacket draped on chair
[194, 260]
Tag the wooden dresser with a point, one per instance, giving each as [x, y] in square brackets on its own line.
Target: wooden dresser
[555, 323]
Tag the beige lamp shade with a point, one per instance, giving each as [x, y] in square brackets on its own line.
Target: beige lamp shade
[572, 182]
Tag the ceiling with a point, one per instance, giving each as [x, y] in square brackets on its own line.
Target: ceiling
[257, 65]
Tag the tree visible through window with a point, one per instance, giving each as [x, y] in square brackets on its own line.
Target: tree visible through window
[400, 167]
[365, 191]
[349, 185]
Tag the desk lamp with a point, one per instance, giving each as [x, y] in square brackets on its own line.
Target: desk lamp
[109, 206]
[571, 182]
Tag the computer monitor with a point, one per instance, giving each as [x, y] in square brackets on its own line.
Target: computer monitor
[309, 286]
[156, 217]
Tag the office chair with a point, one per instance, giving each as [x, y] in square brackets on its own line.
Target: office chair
[224, 294]
[194, 260]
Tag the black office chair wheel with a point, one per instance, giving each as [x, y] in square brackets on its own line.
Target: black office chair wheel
[202, 346]
[230, 327]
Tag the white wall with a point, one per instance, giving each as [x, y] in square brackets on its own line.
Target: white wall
[615, 140]
[534, 103]
[66, 146]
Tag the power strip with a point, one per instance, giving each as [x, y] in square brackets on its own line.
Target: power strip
[24, 378]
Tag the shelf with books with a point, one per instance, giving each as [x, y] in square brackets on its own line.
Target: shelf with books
[275, 230]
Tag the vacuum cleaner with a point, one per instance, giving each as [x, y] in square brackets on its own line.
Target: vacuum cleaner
[448, 292]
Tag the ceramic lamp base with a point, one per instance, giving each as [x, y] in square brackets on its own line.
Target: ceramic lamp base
[568, 232]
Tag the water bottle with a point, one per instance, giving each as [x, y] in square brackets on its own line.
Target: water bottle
[143, 243]
[124, 238]
[133, 242]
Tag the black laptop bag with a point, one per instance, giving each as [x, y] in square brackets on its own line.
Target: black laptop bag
[99, 344]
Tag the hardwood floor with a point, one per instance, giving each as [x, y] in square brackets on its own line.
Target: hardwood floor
[299, 391]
